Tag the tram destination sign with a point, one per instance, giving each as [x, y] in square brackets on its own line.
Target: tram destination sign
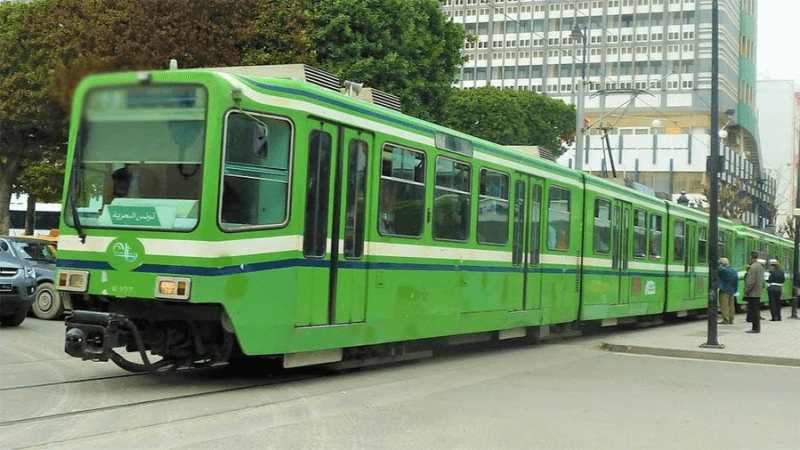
[133, 215]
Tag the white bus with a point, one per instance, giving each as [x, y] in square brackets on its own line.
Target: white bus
[46, 218]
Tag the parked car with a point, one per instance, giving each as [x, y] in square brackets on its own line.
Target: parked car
[17, 287]
[41, 255]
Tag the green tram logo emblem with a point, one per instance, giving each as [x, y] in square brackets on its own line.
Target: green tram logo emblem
[125, 253]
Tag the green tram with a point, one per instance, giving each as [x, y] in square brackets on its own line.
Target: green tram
[215, 213]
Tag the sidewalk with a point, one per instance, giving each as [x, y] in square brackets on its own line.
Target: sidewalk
[778, 343]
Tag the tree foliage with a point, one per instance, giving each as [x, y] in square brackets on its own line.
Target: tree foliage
[732, 201]
[511, 117]
[50, 45]
[404, 47]
[788, 227]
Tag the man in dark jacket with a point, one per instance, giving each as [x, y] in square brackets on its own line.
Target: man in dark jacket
[728, 279]
[774, 289]
[753, 284]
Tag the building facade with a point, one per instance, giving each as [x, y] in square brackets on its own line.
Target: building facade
[779, 128]
[647, 71]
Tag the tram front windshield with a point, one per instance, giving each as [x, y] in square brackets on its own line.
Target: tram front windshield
[139, 158]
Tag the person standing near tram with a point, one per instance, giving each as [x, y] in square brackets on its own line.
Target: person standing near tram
[728, 279]
[774, 289]
[753, 285]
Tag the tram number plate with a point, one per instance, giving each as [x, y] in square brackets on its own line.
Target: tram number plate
[121, 290]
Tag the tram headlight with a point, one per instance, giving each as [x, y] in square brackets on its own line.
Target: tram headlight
[173, 287]
[73, 280]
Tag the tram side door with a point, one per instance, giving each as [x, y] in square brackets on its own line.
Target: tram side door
[335, 227]
[621, 228]
[350, 273]
[532, 292]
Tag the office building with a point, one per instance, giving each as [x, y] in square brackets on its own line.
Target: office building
[648, 83]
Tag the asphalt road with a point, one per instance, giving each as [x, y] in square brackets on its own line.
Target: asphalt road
[555, 395]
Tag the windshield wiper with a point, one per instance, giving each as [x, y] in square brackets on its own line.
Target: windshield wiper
[73, 182]
[78, 226]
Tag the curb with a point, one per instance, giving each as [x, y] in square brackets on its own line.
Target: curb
[697, 354]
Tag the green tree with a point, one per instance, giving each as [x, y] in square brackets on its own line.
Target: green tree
[511, 117]
[42, 181]
[405, 47]
[280, 33]
[29, 121]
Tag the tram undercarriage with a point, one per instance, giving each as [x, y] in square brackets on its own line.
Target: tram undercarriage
[181, 335]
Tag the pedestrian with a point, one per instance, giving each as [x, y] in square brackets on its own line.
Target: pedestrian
[753, 285]
[727, 279]
[774, 289]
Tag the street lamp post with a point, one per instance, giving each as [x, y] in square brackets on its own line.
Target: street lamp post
[584, 36]
[713, 230]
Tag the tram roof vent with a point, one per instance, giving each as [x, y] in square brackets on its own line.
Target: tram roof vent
[300, 72]
[380, 98]
[534, 150]
[372, 95]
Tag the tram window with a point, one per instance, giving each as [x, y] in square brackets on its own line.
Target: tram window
[558, 219]
[680, 241]
[255, 189]
[355, 207]
[315, 236]
[519, 221]
[536, 223]
[602, 226]
[639, 233]
[401, 209]
[493, 207]
[738, 254]
[655, 236]
[451, 205]
[723, 246]
[702, 246]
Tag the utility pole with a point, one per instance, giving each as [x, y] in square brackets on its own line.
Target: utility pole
[580, 99]
[713, 229]
[796, 262]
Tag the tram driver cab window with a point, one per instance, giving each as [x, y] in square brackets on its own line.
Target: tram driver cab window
[255, 185]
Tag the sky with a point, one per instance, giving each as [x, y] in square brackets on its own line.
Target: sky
[777, 38]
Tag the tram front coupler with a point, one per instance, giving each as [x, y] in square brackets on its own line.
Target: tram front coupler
[93, 335]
